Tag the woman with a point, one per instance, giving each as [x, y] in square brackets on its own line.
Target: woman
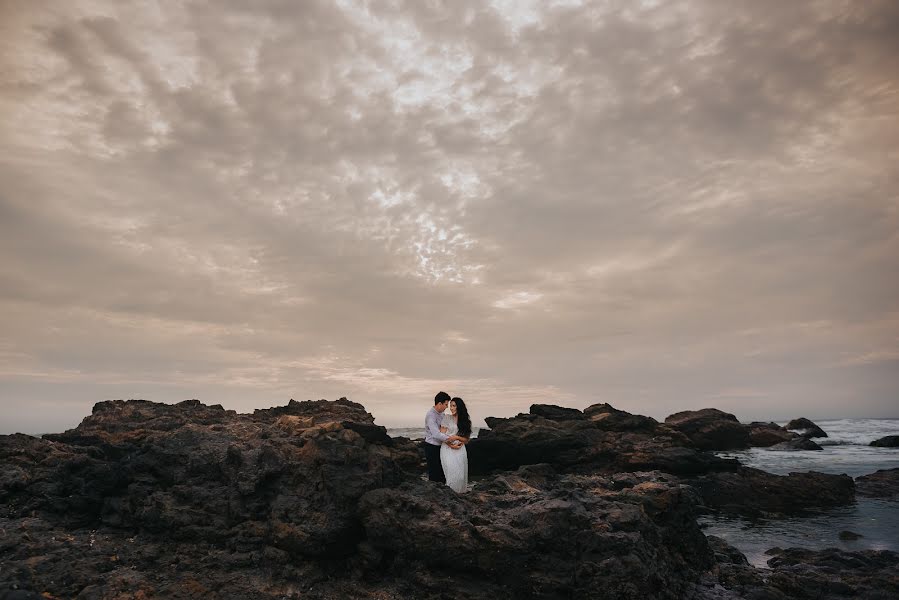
[453, 455]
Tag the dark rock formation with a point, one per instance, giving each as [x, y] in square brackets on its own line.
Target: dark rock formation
[805, 428]
[619, 442]
[732, 571]
[890, 441]
[314, 500]
[850, 536]
[763, 435]
[754, 493]
[287, 478]
[711, 429]
[556, 413]
[184, 501]
[800, 574]
[880, 484]
[799, 443]
[831, 574]
[540, 535]
[606, 417]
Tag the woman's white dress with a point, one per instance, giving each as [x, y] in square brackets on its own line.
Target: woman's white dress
[454, 462]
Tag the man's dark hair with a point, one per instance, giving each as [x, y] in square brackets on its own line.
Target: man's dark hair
[441, 397]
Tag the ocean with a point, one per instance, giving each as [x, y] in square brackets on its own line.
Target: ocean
[846, 450]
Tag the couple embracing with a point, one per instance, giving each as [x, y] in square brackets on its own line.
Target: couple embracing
[445, 439]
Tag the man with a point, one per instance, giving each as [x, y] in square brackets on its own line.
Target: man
[434, 437]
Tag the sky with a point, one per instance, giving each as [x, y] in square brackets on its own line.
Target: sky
[660, 205]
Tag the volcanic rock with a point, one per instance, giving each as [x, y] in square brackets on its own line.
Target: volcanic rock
[805, 428]
[556, 413]
[768, 434]
[732, 570]
[890, 441]
[575, 445]
[880, 484]
[799, 443]
[801, 574]
[541, 535]
[830, 574]
[711, 429]
[609, 418]
[755, 493]
[198, 473]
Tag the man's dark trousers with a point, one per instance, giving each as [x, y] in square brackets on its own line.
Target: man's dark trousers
[435, 469]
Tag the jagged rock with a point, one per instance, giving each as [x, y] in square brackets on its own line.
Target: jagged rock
[752, 492]
[556, 413]
[880, 484]
[762, 435]
[732, 570]
[575, 445]
[831, 573]
[800, 574]
[322, 411]
[890, 441]
[805, 428]
[540, 535]
[711, 429]
[287, 478]
[314, 499]
[609, 418]
[799, 443]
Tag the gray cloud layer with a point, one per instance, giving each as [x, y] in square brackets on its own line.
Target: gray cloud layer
[659, 205]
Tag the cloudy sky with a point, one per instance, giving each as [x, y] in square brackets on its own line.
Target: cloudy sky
[661, 205]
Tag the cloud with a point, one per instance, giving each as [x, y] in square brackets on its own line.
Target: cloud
[646, 204]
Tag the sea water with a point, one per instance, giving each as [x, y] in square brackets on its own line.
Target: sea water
[845, 450]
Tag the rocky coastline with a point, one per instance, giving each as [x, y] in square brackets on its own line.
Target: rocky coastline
[313, 500]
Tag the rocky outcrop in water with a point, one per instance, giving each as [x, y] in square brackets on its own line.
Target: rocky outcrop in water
[800, 574]
[601, 440]
[805, 428]
[831, 574]
[763, 435]
[889, 441]
[711, 429]
[880, 484]
[755, 493]
[796, 444]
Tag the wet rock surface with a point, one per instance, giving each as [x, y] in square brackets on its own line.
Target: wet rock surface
[796, 444]
[796, 573]
[880, 484]
[889, 441]
[754, 493]
[711, 429]
[763, 435]
[831, 573]
[805, 428]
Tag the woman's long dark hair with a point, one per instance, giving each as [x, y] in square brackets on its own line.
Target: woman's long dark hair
[463, 421]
